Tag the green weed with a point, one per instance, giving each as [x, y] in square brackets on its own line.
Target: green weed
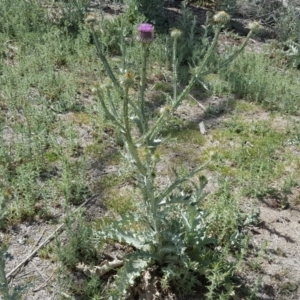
[256, 78]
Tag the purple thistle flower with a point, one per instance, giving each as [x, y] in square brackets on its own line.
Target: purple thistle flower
[145, 33]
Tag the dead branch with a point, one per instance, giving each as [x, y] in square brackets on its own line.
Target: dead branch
[100, 270]
[58, 230]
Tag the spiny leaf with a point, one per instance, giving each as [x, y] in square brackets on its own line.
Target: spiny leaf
[133, 268]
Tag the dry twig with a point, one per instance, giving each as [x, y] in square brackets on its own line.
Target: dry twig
[43, 284]
[58, 230]
[38, 241]
[105, 267]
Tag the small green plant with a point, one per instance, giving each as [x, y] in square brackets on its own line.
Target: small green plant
[3, 210]
[248, 79]
[73, 12]
[152, 10]
[186, 41]
[21, 17]
[6, 291]
[79, 244]
[79, 249]
[227, 5]
[287, 22]
[291, 52]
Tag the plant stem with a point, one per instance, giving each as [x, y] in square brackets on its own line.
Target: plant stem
[143, 86]
[108, 113]
[199, 70]
[104, 61]
[144, 169]
[123, 49]
[211, 49]
[130, 144]
[175, 75]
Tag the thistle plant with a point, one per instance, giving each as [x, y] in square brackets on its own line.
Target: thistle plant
[169, 229]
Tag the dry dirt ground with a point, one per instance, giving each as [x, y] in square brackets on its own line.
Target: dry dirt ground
[278, 230]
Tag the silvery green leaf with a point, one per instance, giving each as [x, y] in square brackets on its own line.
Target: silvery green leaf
[129, 239]
[205, 241]
[180, 199]
[186, 222]
[234, 237]
[202, 128]
[168, 249]
[178, 181]
[137, 262]
[252, 218]
[123, 231]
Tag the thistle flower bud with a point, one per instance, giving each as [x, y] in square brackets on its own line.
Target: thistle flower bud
[94, 90]
[153, 174]
[145, 33]
[254, 26]
[165, 110]
[143, 152]
[90, 19]
[106, 84]
[127, 79]
[176, 34]
[155, 157]
[221, 17]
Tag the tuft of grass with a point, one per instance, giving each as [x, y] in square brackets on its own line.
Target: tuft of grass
[256, 77]
[190, 134]
[116, 193]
